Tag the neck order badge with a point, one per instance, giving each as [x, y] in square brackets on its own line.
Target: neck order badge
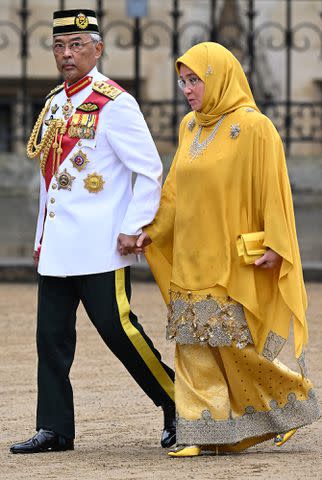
[72, 90]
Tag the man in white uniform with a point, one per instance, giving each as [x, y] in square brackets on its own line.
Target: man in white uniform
[90, 138]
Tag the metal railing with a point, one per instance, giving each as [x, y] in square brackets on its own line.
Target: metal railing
[144, 34]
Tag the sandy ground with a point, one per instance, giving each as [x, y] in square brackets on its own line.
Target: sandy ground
[118, 428]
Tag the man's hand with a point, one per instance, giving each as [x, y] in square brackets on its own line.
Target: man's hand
[126, 243]
[269, 260]
[35, 256]
[142, 242]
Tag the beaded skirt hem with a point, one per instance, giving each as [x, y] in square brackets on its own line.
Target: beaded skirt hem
[207, 431]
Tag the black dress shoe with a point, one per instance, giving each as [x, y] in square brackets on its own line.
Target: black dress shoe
[44, 441]
[168, 437]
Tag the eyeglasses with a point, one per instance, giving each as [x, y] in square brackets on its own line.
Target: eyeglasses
[75, 46]
[189, 82]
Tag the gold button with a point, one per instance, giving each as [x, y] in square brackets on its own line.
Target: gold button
[80, 143]
[52, 200]
[54, 186]
[51, 214]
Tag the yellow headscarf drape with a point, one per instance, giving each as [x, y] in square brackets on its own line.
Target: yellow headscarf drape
[226, 86]
[237, 185]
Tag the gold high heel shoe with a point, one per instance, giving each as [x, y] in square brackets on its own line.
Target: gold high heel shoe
[281, 438]
[185, 451]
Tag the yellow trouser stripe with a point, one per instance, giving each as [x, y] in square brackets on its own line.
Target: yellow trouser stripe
[136, 338]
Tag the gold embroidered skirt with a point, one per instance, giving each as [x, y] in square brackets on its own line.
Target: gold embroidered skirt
[227, 394]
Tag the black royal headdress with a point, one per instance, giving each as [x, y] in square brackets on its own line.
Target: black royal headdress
[75, 21]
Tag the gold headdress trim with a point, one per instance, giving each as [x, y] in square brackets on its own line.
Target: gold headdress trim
[62, 22]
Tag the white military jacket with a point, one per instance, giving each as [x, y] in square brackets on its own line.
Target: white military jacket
[78, 229]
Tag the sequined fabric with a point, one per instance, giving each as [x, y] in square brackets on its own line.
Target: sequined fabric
[226, 395]
[218, 321]
[302, 364]
[273, 345]
[206, 430]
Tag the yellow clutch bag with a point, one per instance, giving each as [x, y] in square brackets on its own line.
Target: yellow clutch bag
[250, 246]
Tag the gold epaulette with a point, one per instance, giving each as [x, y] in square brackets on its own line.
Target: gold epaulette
[106, 89]
[55, 90]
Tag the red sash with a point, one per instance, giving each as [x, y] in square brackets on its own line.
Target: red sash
[68, 143]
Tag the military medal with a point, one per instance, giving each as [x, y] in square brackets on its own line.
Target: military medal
[47, 122]
[54, 108]
[94, 182]
[83, 125]
[67, 109]
[79, 161]
[64, 180]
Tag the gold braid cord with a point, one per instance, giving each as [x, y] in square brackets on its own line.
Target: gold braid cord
[41, 150]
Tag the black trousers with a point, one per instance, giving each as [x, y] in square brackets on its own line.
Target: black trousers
[106, 298]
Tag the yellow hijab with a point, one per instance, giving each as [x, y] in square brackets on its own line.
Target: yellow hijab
[237, 185]
[226, 86]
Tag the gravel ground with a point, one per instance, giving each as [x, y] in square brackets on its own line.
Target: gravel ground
[118, 428]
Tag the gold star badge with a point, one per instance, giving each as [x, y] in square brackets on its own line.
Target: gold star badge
[94, 182]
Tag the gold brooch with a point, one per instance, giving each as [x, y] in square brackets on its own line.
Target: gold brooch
[79, 160]
[234, 130]
[94, 182]
[64, 180]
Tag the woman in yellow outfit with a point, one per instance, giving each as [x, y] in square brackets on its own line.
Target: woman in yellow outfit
[229, 319]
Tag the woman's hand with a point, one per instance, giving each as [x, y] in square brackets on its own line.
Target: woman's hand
[269, 260]
[126, 243]
[142, 242]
